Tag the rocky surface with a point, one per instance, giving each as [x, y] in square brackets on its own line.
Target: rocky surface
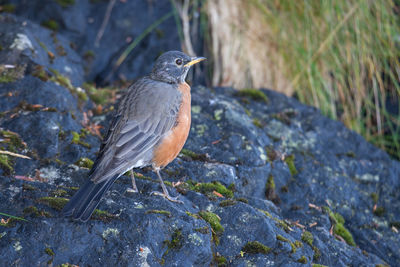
[265, 180]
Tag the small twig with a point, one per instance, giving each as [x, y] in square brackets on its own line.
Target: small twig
[14, 217]
[105, 22]
[184, 14]
[14, 154]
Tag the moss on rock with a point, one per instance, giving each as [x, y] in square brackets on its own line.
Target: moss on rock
[290, 163]
[255, 247]
[56, 203]
[84, 163]
[213, 219]
[253, 94]
[162, 212]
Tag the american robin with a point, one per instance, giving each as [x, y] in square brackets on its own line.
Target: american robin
[150, 127]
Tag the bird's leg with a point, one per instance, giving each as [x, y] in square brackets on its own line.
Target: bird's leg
[134, 187]
[165, 193]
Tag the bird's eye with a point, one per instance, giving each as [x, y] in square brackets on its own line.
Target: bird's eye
[178, 62]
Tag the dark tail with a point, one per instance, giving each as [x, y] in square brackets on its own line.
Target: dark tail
[84, 202]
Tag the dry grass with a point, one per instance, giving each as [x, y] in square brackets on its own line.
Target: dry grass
[340, 56]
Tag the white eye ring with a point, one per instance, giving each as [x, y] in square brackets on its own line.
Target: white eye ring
[178, 61]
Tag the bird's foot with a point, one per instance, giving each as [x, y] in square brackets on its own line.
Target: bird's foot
[134, 187]
[167, 196]
[132, 190]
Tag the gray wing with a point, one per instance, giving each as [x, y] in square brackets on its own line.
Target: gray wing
[146, 113]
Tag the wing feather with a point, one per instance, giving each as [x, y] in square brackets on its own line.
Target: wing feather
[147, 112]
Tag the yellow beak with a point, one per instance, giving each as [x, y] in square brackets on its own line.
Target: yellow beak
[194, 60]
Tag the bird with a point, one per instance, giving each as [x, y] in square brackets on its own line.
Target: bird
[149, 128]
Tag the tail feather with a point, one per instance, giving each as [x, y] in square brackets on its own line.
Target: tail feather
[85, 201]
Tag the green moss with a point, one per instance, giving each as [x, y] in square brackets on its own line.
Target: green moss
[66, 82]
[8, 75]
[203, 230]
[7, 8]
[255, 247]
[350, 154]
[338, 226]
[40, 72]
[317, 253]
[60, 162]
[318, 265]
[295, 245]
[254, 94]
[99, 96]
[5, 164]
[206, 188]
[6, 79]
[270, 186]
[381, 265]
[28, 187]
[281, 238]
[220, 261]
[292, 244]
[266, 213]
[56, 203]
[294, 249]
[9, 223]
[302, 260]
[242, 199]
[12, 140]
[231, 187]
[32, 210]
[88, 55]
[59, 193]
[76, 139]
[342, 231]
[218, 114]
[379, 211]
[61, 79]
[374, 197]
[194, 155]
[102, 215]
[176, 242]
[307, 238]
[168, 183]
[290, 163]
[282, 224]
[65, 3]
[338, 218]
[49, 251]
[213, 220]
[50, 24]
[163, 212]
[257, 123]
[227, 202]
[84, 163]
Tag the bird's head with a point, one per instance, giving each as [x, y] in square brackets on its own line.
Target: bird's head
[173, 66]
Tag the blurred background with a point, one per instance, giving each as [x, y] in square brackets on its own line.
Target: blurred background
[339, 56]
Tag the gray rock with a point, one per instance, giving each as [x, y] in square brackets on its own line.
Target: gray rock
[241, 181]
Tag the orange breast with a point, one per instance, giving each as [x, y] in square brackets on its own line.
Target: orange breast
[173, 142]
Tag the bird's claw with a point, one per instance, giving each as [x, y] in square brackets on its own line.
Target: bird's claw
[167, 196]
